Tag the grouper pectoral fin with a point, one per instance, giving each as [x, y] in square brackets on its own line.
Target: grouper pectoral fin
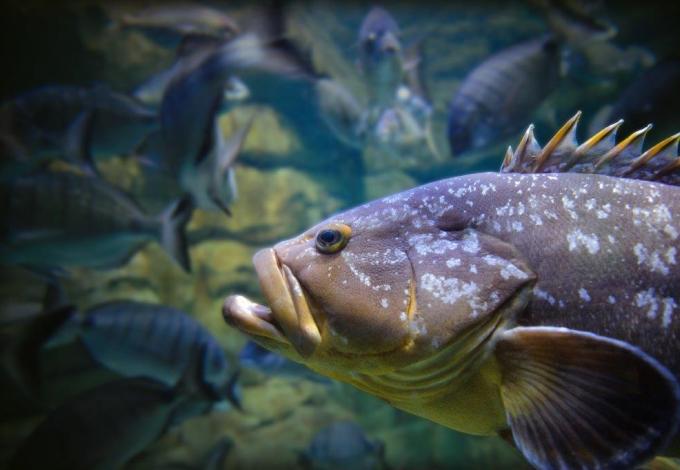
[578, 400]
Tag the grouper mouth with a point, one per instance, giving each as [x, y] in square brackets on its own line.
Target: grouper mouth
[287, 320]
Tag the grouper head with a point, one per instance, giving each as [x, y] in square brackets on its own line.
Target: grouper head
[383, 287]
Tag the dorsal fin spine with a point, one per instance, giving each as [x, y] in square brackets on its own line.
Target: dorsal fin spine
[668, 143]
[565, 131]
[621, 146]
[594, 140]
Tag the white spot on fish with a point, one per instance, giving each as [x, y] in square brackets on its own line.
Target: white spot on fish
[384, 302]
[448, 290]
[541, 294]
[611, 299]
[653, 260]
[453, 262]
[473, 269]
[577, 238]
[648, 299]
[517, 226]
[668, 307]
[471, 244]
[402, 316]
[583, 294]
[568, 205]
[536, 219]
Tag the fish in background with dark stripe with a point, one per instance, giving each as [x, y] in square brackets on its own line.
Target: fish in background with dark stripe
[541, 302]
[108, 425]
[497, 97]
[137, 339]
[62, 219]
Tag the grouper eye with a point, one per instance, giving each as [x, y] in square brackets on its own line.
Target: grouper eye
[333, 238]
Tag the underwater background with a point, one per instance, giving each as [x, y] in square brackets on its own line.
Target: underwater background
[299, 162]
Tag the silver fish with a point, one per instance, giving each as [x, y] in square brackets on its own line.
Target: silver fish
[652, 95]
[61, 219]
[341, 445]
[498, 96]
[191, 102]
[104, 427]
[39, 123]
[153, 341]
[190, 53]
[169, 23]
[380, 56]
[341, 111]
[254, 356]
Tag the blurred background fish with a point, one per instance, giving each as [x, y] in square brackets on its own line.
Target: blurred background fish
[343, 445]
[170, 22]
[650, 97]
[380, 56]
[104, 427]
[62, 219]
[254, 356]
[136, 339]
[502, 92]
[42, 122]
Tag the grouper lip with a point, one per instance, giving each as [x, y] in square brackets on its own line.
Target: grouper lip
[288, 318]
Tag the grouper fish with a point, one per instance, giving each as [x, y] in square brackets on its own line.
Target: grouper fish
[541, 302]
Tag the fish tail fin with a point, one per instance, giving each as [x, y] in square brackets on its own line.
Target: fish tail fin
[233, 392]
[599, 154]
[78, 145]
[174, 220]
[226, 152]
[22, 361]
[264, 45]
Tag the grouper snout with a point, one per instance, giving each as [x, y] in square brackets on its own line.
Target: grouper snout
[289, 318]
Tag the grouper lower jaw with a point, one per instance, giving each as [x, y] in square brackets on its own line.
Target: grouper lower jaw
[287, 301]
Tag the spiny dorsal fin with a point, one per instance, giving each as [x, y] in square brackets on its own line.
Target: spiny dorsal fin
[600, 154]
[595, 145]
[667, 148]
[630, 145]
[525, 155]
[564, 141]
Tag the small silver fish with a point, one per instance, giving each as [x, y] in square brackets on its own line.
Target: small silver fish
[104, 427]
[380, 56]
[39, 123]
[191, 101]
[61, 219]
[168, 23]
[498, 96]
[341, 111]
[153, 341]
[652, 95]
[343, 445]
[254, 356]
